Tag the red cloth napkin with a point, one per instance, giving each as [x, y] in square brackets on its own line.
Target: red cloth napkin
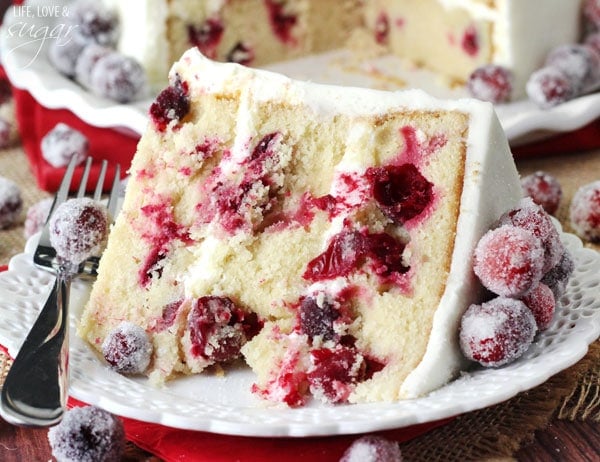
[171, 444]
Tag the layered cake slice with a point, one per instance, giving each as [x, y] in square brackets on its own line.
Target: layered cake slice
[324, 234]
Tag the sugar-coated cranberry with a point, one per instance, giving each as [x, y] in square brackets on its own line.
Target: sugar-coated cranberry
[94, 23]
[282, 21]
[118, 77]
[549, 86]
[87, 60]
[11, 202]
[334, 373]
[591, 13]
[171, 104]
[36, 216]
[540, 300]
[544, 189]
[219, 328]
[558, 277]
[241, 53]
[206, 36]
[401, 191]
[372, 448]
[87, 434]
[508, 260]
[532, 217]
[580, 63]
[491, 83]
[127, 349]
[382, 29]
[317, 315]
[63, 55]
[496, 332]
[63, 143]
[79, 229]
[584, 212]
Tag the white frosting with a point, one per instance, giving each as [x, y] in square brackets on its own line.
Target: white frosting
[488, 163]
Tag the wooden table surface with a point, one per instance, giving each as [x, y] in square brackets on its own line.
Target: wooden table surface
[560, 441]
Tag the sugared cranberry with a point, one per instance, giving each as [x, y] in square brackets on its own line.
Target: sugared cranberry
[508, 260]
[584, 212]
[334, 372]
[127, 349]
[401, 192]
[372, 448]
[317, 315]
[491, 83]
[549, 86]
[591, 13]
[382, 29]
[580, 63]
[544, 189]
[63, 143]
[540, 300]
[218, 328]
[94, 23]
[558, 277]
[241, 53]
[171, 104]
[282, 22]
[532, 217]
[86, 62]
[87, 434]
[206, 36]
[36, 216]
[11, 202]
[118, 77]
[496, 332]
[79, 229]
[63, 55]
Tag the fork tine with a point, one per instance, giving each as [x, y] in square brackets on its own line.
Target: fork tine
[84, 178]
[113, 199]
[63, 189]
[100, 183]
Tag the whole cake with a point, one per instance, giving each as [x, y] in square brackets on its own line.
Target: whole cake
[323, 233]
[451, 37]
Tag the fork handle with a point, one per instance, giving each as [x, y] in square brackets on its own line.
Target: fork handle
[35, 389]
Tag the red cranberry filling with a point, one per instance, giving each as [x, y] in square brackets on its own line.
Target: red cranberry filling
[317, 319]
[401, 191]
[241, 53]
[382, 28]
[168, 316]
[206, 36]
[172, 103]
[470, 41]
[334, 372]
[349, 250]
[219, 328]
[282, 23]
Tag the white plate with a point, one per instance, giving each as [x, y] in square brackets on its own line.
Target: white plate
[27, 66]
[225, 404]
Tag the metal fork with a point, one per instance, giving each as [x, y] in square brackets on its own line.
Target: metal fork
[35, 389]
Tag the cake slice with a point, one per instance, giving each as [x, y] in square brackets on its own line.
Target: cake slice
[323, 233]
